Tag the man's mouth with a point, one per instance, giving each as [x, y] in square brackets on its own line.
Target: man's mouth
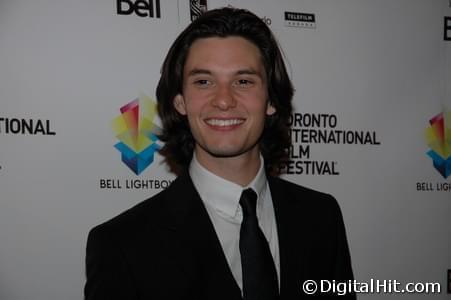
[224, 122]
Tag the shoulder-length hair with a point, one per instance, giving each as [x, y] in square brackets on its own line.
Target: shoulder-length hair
[179, 143]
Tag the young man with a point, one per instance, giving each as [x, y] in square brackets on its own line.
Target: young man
[225, 228]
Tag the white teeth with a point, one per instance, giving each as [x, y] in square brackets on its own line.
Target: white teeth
[220, 122]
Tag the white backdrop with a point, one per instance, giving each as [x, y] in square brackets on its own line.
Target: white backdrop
[380, 67]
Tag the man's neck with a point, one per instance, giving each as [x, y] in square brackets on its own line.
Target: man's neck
[238, 169]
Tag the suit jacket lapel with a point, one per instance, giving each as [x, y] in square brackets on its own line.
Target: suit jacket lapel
[193, 243]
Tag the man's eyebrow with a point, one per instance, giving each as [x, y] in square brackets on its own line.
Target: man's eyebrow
[194, 72]
[197, 71]
[247, 72]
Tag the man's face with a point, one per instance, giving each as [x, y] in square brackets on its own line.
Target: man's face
[224, 97]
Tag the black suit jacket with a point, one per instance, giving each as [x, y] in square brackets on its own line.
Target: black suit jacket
[166, 247]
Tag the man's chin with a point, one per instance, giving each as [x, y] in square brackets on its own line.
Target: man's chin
[224, 153]
[231, 152]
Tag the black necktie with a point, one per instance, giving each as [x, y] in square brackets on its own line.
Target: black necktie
[259, 271]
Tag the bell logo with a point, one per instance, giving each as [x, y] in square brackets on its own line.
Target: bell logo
[142, 8]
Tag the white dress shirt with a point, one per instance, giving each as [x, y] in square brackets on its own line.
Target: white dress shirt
[221, 198]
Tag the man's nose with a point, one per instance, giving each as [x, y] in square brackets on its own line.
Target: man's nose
[224, 98]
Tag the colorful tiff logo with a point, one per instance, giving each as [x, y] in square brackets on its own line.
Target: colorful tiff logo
[438, 136]
[137, 133]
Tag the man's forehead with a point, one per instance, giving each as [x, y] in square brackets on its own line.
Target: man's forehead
[220, 40]
[234, 52]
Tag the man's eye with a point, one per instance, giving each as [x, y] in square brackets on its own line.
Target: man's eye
[202, 82]
[244, 82]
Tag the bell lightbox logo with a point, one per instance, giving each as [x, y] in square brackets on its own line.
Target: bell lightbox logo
[438, 136]
[137, 133]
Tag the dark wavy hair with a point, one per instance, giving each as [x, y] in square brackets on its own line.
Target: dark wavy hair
[179, 143]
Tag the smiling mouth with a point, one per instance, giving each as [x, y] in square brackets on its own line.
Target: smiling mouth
[224, 122]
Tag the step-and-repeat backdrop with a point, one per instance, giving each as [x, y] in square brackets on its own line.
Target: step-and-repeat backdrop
[372, 126]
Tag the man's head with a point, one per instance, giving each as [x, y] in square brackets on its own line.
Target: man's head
[225, 108]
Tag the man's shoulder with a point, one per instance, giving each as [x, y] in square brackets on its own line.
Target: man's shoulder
[286, 186]
[288, 192]
[137, 216]
[153, 210]
[298, 203]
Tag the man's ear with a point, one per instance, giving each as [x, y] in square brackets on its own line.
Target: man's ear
[270, 109]
[179, 104]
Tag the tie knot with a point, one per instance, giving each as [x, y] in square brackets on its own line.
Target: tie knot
[248, 202]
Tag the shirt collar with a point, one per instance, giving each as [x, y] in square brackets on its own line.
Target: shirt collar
[223, 195]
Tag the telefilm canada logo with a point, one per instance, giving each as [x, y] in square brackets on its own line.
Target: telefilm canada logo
[137, 133]
[197, 7]
[141, 8]
[298, 19]
[438, 138]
